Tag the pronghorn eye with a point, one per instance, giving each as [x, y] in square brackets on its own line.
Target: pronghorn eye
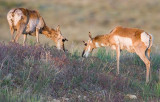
[85, 44]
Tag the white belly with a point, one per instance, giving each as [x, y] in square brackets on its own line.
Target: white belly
[31, 26]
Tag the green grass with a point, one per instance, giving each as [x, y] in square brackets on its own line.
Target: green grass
[157, 89]
[103, 55]
[9, 95]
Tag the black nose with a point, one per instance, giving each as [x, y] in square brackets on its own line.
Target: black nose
[83, 53]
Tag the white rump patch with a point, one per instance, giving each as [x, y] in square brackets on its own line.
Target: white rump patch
[97, 45]
[9, 17]
[17, 16]
[145, 38]
[124, 42]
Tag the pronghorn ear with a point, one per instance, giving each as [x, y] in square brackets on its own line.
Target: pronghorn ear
[90, 36]
[58, 28]
[85, 43]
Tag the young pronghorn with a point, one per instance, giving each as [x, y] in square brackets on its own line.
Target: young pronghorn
[130, 39]
[30, 22]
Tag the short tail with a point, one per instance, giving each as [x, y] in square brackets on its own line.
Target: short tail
[150, 44]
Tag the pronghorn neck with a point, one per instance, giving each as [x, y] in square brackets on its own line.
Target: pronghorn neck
[46, 31]
[50, 33]
[98, 44]
[101, 41]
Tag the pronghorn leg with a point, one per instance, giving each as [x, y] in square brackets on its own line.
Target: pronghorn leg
[118, 57]
[24, 40]
[140, 51]
[12, 33]
[148, 53]
[19, 32]
[37, 35]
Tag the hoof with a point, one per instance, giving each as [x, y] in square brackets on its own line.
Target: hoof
[13, 41]
[37, 44]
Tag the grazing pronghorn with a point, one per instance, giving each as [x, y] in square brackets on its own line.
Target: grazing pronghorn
[130, 39]
[30, 22]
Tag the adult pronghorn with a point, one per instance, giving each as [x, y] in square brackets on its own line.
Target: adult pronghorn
[120, 38]
[30, 22]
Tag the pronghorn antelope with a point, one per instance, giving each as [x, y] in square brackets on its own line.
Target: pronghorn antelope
[30, 22]
[130, 39]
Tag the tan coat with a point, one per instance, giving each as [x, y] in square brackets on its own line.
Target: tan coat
[30, 22]
[120, 38]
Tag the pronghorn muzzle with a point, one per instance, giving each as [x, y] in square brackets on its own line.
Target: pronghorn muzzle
[64, 39]
[83, 53]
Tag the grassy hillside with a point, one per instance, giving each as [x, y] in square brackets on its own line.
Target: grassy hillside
[42, 74]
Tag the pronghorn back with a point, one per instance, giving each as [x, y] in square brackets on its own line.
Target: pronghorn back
[30, 18]
[30, 22]
[128, 38]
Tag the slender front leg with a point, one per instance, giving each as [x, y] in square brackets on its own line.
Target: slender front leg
[37, 35]
[25, 38]
[118, 57]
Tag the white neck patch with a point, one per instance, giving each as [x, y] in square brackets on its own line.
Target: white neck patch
[58, 45]
[87, 52]
[97, 45]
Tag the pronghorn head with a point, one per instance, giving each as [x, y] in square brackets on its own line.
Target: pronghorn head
[89, 46]
[60, 39]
